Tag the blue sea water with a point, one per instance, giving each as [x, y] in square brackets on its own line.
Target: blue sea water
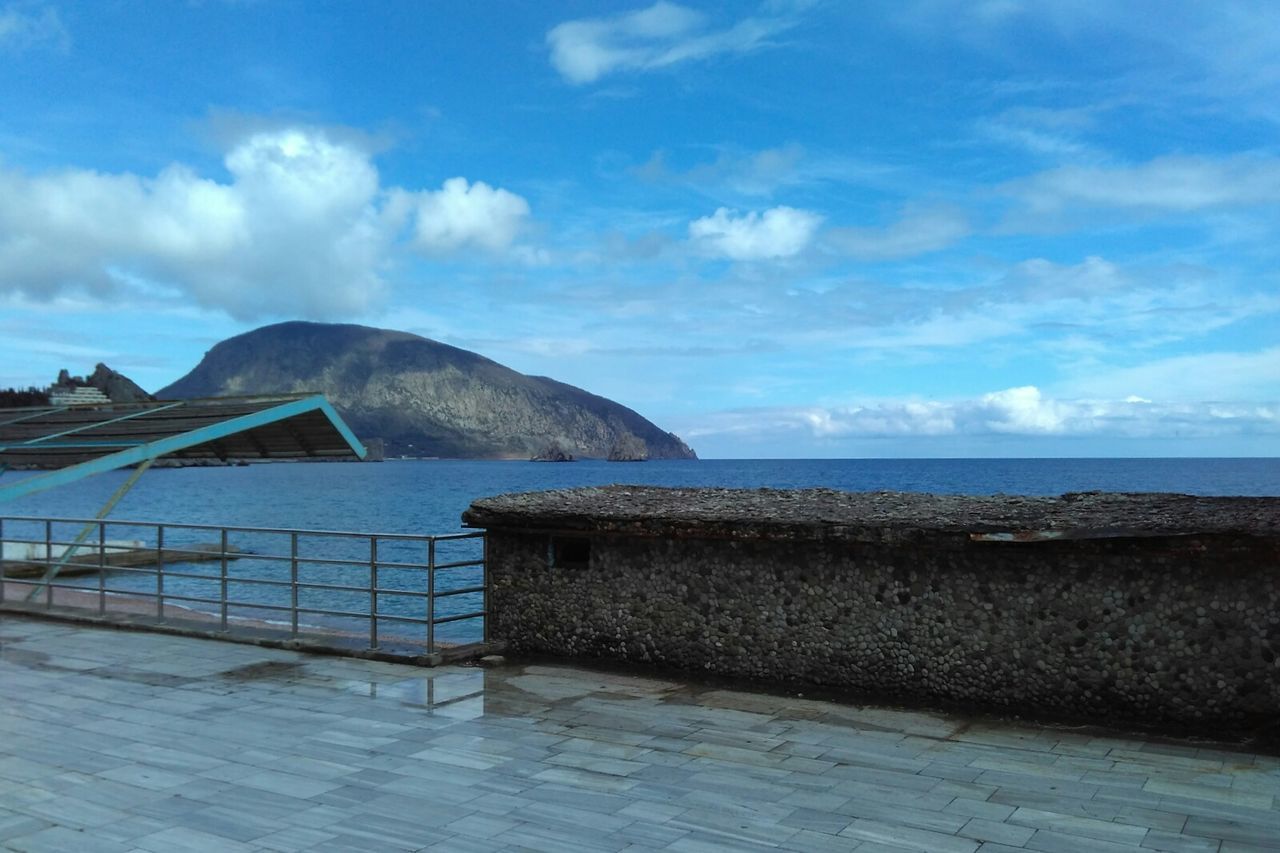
[429, 496]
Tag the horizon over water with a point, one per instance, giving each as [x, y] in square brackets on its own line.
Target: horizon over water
[429, 496]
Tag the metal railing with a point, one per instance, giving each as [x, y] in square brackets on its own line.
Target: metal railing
[396, 592]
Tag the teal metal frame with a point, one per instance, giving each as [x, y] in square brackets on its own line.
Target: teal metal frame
[145, 452]
[52, 571]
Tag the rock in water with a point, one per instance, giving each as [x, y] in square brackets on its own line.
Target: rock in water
[424, 398]
[553, 452]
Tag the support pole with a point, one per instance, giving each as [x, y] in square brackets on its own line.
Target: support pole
[52, 572]
[373, 592]
[431, 595]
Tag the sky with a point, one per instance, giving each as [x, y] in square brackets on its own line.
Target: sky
[920, 228]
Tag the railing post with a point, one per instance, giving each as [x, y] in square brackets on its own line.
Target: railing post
[223, 582]
[160, 572]
[431, 595]
[293, 583]
[102, 568]
[48, 561]
[373, 592]
[484, 594]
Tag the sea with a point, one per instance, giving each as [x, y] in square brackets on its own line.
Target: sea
[429, 497]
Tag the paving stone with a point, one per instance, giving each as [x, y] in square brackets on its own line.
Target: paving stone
[1050, 841]
[293, 839]
[1244, 847]
[1212, 793]
[1230, 830]
[60, 839]
[14, 825]
[1084, 827]
[1001, 833]
[908, 838]
[183, 840]
[979, 808]
[175, 757]
[1173, 842]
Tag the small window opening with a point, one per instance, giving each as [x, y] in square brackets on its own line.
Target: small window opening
[570, 552]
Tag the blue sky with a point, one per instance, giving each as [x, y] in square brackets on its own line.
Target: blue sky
[836, 229]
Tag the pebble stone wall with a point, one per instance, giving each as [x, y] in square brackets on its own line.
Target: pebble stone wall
[1156, 629]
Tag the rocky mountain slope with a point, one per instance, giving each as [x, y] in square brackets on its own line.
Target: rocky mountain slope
[424, 398]
[116, 386]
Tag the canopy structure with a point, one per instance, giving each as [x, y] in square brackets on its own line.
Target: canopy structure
[80, 441]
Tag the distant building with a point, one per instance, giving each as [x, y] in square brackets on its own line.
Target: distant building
[61, 395]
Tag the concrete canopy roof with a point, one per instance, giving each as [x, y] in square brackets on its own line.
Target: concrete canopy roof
[78, 441]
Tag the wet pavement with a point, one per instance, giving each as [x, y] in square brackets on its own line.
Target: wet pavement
[117, 741]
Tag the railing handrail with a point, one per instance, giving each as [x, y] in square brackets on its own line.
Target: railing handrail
[155, 539]
[301, 531]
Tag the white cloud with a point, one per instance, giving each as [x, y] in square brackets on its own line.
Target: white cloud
[23, 30]
[1054, 133]
[459, 215]
[1177, 184]
[1058, 310]
[663, 34]
[303, 227]
[916, 233]
[1223, 55]
[736, 171]
[752, 173]
[1040, 280]
[1024, 411]
[779, 232]
[1199, 376]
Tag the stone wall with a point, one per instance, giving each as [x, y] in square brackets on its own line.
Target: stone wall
[1025, 606]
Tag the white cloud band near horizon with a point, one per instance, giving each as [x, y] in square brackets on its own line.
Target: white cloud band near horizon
[1020, 411]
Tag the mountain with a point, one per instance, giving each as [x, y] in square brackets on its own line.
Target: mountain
[116, 386]
[424, 398]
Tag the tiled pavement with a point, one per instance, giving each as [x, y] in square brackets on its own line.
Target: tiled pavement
[117, 741]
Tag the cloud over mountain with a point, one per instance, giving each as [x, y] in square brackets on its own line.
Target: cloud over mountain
[304, 226]
[459, 215]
